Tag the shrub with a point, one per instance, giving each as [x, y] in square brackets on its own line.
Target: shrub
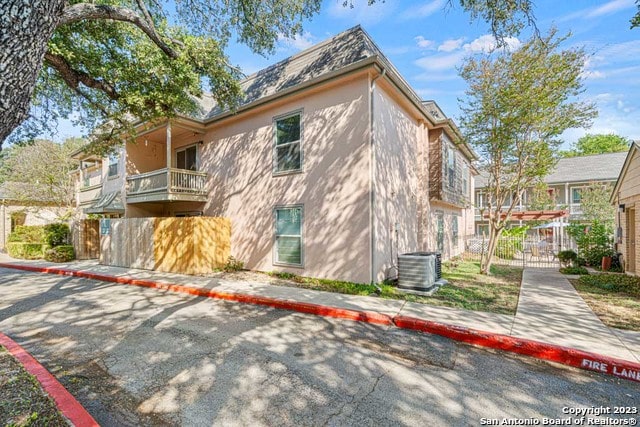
[594, 241]
[233, 265]
[23, 250]
[27, 234]
[614, 283]
[574, 270]
[56, 234]
[568, 257]
[62, 253]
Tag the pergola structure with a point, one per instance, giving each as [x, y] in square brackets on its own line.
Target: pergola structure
[532, 215]
[540, 216]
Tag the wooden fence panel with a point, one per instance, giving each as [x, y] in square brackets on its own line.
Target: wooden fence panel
[85, 237]
[195, 245]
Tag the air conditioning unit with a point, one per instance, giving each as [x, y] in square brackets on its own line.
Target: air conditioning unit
[420, 271]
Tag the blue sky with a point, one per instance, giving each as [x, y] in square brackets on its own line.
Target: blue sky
[427, 42]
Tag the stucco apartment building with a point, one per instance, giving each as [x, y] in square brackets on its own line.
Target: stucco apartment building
[331, 167]
[565, 183]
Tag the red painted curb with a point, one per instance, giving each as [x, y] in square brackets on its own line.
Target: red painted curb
[554, 353]
[66, 403]
[303, 307]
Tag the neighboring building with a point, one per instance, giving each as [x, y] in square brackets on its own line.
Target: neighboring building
[15, 212]
[565, 184]
[100, 185]
[626, 197]
[330, 167]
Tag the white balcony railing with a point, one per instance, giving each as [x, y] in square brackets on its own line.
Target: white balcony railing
[168, 181]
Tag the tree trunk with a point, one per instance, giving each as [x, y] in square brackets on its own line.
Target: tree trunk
[494, 236]
[25, 29]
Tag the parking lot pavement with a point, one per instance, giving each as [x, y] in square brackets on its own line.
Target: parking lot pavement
[137, 356]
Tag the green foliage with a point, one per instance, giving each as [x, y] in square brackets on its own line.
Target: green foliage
[519, 231]
[594, 241]
[518, 103]
[574, 270]
[62, 253]
[623, 283]
[568, 257]
[57, 234]
[40, 172]
[597, 144]
[22, 250]
[540, 199]
[595, 204]
[125, 73]
[233, 265]
[27, 234]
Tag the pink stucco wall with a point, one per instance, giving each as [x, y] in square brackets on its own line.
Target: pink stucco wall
[397, 137]
[333, 187]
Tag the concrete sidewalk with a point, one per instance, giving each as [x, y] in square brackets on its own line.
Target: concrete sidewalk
[549, 309]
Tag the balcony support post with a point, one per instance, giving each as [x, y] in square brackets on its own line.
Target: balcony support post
[168, 146]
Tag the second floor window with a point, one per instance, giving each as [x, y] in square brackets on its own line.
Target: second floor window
[187, 158]
[576, 195]
[287, 151]
[113, 165]
[451, 166]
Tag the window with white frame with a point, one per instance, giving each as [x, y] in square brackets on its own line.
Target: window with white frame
[287, 152]
[288, 245]
[576, 195]
[454, 230]
[451, 166]
[113, 164]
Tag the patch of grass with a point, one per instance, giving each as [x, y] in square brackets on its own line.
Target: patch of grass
[326, 284]
[467, 288]
[615, 298]
[574, 270]
[470, 290]
[22, 400]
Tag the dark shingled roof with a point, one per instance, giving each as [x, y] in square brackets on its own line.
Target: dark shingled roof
[596, 167]
[336, 53]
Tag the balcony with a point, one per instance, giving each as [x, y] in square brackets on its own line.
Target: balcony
[167, 185]
[88, 194]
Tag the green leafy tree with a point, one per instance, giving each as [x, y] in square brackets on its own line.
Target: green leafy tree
[597, 144]
[40, 172]
[111, 61]
[596, 206]
[518, 103]
[540, 198]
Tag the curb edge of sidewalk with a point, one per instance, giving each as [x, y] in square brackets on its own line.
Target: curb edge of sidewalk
[68, 406]
[554, 353]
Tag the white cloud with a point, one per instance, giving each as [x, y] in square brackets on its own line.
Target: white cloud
[593, 75]
[440, 62]
[483, 44]
[450, 45]
[423, 10]
[424, 43]
[299, 42]
[488, 43]
[610, 7]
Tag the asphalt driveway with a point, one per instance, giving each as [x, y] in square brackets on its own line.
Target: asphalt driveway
[137, 356]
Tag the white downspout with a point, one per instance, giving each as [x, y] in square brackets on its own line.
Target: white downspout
[372, 175]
